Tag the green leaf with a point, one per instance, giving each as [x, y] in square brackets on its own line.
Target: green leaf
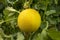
[1, 38]
[9, 13]
[56, 1]
[50, 12]
[12, 1]
[58, 19]
[41, 36]
[37, 37]
[44, 35]
[1, 21]
[11, 9]
[55, 35]
[20, 36]
[4, 2]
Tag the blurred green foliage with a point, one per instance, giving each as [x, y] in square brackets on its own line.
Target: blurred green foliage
[50, 14]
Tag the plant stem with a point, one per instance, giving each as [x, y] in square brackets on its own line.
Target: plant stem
[27, 35]
[27, 3]
[45, 9]
[46, 5]
[46, 25]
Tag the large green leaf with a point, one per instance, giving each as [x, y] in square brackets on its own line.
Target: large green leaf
[54, 34]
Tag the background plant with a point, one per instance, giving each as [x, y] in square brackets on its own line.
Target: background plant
[50, 14]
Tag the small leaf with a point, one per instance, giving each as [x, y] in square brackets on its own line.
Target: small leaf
[56, 1]
[50, 12]
[10, 9]
[1, 21]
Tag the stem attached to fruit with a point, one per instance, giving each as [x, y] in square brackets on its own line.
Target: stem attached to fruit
[27, 35]
[27, 3]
